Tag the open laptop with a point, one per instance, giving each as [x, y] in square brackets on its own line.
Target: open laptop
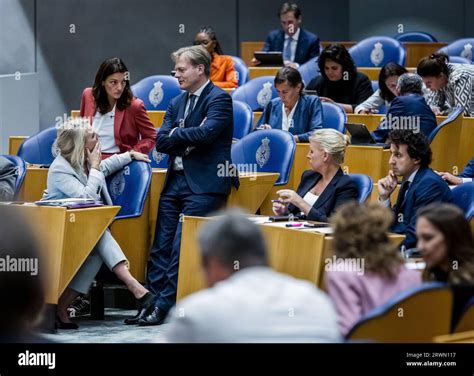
[361, 136]
[273, 58]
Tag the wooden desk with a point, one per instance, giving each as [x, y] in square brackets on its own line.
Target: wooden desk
[156, 117]
[33, 185]
[300, 253]
[255, 72]
[418, 50]
[65, 248]
[14, 143]
[250, 195]
[465, 148]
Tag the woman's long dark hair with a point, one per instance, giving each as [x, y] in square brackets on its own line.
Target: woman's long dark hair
[389, 70]
[209, 31]
[107, 68]
[433, 65]
[450, 221]
[339, 54]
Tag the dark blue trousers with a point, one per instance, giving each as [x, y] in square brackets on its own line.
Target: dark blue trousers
[176, 200]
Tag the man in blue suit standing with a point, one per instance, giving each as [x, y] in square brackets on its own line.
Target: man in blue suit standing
[197, 135]
[408, 110]
[297, 45]
[410, 159]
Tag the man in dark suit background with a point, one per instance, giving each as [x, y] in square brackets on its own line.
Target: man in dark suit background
[410, 159]
[408, 110]
[297, 45]
[466, 176]
[197, 135]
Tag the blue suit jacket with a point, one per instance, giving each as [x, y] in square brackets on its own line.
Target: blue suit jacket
[209, 130]
[427, 187]
[340, 190]
[468, 171]
[412, 105]
[307, 118]
[306, 48]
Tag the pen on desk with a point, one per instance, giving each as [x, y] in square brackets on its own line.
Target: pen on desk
[293, 225]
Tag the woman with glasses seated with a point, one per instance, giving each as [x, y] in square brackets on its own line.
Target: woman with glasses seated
[223, 73]
[79, 172]
[119, 118]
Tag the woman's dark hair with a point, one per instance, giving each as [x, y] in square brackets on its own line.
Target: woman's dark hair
[433, 65]
[339, 54]
[290, 75]
[107, 68]
[209, 31]
[418, 146]
[450, 221]
[387, 71]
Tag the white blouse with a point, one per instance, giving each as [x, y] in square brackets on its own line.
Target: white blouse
[310, 198]
[104, 126]
[287, 121]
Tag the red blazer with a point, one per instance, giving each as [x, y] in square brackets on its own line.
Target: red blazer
[132, 126]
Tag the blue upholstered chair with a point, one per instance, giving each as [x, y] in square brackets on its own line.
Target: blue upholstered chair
[269, 150]
[459, 60]
[454, 115]
[408, 316]
[378, 51]
[463, 196]
[156, 92]
[129, 188]
[243, 119]
[257, 93]
[241, 69]
[364, 186]
[461, 47]
[39, 148]
[415, 36]
[20, 167]
[309, 70]
[466, 321]
[334, 117]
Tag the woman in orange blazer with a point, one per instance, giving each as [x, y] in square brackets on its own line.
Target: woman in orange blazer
[119, 118]
[223, 73]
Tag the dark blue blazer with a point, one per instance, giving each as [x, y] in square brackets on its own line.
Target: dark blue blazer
[340, 190]
[468, 171]
[306, 48]
[412, 105]
[307, 118]
[209, 130]
[427, 187]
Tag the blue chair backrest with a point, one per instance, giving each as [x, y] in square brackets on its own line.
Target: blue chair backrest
[20, 167]
[459, 60]
[39, 148]
[257, 93]
[129, 187]
[452, 116]
[269, 150]
[415, 36]
[463, 196]
[241, 69]
[156, 92]
[243, 119]
[378, 51]
[383, 324]
[158, 160]
[309, 70]
[334, 117]
[461, 47]
[364, 186]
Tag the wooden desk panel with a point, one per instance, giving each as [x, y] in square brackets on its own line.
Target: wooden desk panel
[14, 143]
[371, 121]
[255, 72]
[299, 253]
[418, 50]
[64, 250]
[369, 160]
[156, 117]
[33, 185]
[466, 145]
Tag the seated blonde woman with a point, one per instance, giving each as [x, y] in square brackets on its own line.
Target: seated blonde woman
[79, 172]
[361, 234]
[323, 188]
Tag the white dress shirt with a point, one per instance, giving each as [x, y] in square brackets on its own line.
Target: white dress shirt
[287, 120]
[103, 125]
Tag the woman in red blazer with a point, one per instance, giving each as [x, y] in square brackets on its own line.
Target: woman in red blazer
[119, 118]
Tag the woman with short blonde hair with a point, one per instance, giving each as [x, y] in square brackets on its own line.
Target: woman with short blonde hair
[79, 172]
[323, 188]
